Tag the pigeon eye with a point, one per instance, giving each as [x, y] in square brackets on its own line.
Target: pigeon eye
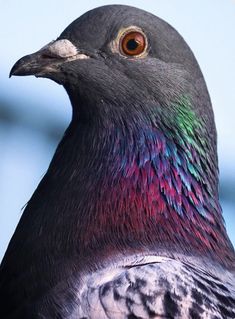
[133, 43]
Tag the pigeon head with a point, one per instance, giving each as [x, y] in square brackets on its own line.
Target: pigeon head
[138, 162]
[117, 56]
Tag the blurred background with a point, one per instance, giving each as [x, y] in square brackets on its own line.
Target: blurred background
[35, 112]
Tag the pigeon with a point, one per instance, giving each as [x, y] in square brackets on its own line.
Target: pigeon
[126, 223]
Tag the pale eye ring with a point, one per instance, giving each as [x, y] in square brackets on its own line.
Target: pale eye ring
[133, 43]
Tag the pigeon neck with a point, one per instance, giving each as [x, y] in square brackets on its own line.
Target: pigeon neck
[150, 188]
[140, 184]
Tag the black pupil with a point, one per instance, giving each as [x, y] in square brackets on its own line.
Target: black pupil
[132, 45]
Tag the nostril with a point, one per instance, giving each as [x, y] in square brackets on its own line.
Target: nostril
[48, 56]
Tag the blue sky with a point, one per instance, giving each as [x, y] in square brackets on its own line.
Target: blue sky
[25, 26]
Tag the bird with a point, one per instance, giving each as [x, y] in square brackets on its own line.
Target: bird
[126, 222]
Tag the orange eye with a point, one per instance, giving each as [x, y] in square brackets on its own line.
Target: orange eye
[133, 43]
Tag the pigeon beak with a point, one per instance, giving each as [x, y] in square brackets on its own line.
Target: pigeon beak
[31, 64]
[45, 62]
